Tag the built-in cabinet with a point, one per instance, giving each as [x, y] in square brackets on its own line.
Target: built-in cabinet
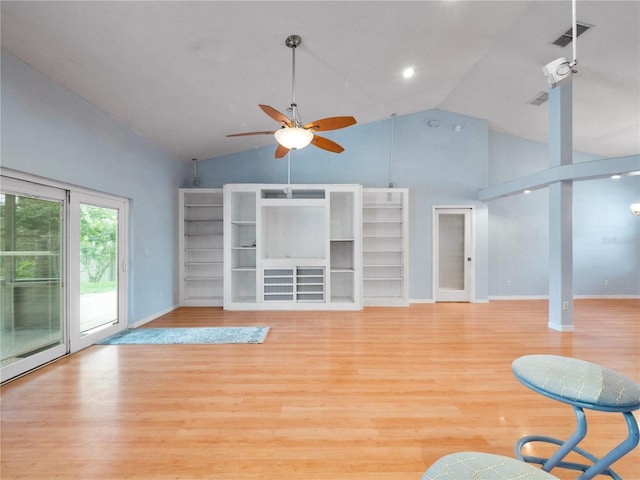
[292, 247]
[385, 250]
[201, 246]
[254, 246]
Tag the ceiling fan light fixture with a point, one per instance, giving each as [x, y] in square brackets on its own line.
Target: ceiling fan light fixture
[293, 138]
[293, 134]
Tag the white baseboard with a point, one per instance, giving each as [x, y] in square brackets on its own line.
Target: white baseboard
[561, 328]
[607, 297]
[141, 322]
[429, 300]
[519, 297]
[537, 297]
[575, 297]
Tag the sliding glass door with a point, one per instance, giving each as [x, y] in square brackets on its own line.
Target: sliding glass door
[63, 259]
[32, 272]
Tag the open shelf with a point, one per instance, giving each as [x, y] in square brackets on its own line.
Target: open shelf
[385, 243]
[201, 246]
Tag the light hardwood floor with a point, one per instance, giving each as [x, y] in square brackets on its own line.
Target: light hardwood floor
[376, 394]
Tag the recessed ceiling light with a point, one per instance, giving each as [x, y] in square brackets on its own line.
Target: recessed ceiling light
[616, 177]
[527, 191]
[408, 72]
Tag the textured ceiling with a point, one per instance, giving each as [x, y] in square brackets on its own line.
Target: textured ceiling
[183, 74]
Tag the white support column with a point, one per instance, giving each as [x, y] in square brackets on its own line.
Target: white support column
[560, 211]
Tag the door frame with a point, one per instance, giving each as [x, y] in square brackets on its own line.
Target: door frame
[76, 340]
[470, 252]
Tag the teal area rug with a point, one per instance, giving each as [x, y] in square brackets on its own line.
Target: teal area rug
[192, 336]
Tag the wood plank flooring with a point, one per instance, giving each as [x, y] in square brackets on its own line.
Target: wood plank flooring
[376, 394]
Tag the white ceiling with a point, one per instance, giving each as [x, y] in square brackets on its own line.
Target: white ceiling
[184, 74]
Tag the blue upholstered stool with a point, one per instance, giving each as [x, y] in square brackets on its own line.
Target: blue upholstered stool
[582, 385]
[483, 466]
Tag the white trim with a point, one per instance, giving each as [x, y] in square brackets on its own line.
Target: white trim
[561, 328]
[575, 297]
[32, 362]
[421, 300]
[519, 297]
[605, 297]
[150, 318]
[78, 341]
[28, 177]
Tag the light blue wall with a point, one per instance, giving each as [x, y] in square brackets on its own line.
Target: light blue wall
[445, 167]
[605, 235]
[51, 132]
[440, 165]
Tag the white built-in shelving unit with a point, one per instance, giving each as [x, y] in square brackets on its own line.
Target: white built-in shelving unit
[385, 246]
[201, 246]
[292, 247]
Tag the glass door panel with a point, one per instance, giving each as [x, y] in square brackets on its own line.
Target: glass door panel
[452, 251]
[31, 276]
[453, 246]
[98, 267]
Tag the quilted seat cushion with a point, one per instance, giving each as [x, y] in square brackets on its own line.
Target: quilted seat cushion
[483, 466]
[576, 381]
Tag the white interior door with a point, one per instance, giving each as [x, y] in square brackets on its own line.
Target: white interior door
[453, 254]
[98, 268]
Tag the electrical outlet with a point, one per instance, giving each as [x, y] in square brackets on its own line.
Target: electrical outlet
[606, 283]
[508, 283]
[565, 305]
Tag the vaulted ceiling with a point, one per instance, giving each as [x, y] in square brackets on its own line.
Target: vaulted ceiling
[184, 74]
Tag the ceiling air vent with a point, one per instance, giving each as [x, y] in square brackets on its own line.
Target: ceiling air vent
[567, 37]
[539, 99]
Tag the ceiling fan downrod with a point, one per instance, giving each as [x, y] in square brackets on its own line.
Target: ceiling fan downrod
[293, 41]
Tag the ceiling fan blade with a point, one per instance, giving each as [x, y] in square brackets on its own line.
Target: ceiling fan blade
[281, 151]
[331, 123]
[326, 144]
[271, 132]
[276, 115]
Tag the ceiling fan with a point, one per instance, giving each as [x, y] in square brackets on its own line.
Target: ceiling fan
[293, 134]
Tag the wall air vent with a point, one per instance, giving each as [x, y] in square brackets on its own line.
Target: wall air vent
[567, 37]
[539, 99]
